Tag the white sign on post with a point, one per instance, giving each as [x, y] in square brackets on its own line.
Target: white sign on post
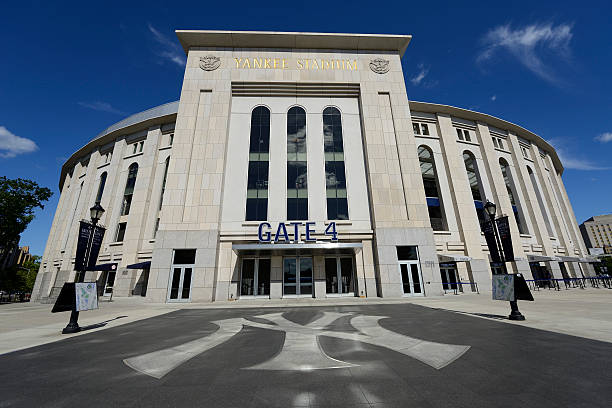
[503, 287]
[86, 296]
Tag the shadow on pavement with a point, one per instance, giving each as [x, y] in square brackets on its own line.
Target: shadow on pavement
[101, 324]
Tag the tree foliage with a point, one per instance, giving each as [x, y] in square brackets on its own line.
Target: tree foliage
[21, 277]
[18, 199]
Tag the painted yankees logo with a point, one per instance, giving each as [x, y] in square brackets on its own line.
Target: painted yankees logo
[301, 350]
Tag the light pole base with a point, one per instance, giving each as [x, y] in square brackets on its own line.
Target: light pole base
[515, 314]
[73, 324]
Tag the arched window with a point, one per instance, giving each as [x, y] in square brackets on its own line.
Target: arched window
[430, 181]
[335, 177]
[474, 179]
[534, 183]
[129, 189]
[297, 177]
[101, 187]
[505, 169]
[163, 187]
[257, 179]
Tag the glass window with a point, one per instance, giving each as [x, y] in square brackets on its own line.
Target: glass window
[184, 256]
[129, 189]
[495, 143]
[163, 188]
[430, 182]
[171, 139]
[511, 193]
[467, 135]
[501, 143]
[335, 173]
[120, 232]
[475, 183]
[134, 148]
[459, 134]
[101, 187]
[140, 147]
[416, 129]
[407, 253]
[425, 129]
[297, 173]
[257, 178]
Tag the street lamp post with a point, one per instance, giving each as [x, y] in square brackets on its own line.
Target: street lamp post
[491, 208]
[95, 213]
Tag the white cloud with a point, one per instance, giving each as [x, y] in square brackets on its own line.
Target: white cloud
[604, 137]
[529, 45]
[494, 98]
[101, 107]
[11, 145]
[169, 49]
[423, 71]
[570, 160]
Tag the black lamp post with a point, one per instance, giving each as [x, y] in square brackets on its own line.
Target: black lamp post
[95, 213]
[491, 208]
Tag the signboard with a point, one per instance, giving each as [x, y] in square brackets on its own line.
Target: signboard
[86, 296]
[65, 301]
[503, 287]
[96, 243]
[503, 226]
[81, 250]
[284, 231]
[489, 233]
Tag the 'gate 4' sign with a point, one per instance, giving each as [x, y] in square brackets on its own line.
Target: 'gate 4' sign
[266, 233]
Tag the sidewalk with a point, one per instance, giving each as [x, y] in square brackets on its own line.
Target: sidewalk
[584, 313]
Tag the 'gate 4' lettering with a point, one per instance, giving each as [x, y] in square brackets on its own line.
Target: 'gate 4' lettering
[294, 229]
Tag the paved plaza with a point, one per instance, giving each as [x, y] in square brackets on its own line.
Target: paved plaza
[454, 351]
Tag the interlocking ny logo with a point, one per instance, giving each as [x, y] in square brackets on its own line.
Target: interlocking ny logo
[301, 349]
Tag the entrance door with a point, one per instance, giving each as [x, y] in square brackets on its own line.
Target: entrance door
[180, 286]
[255, 277]
[339, 274]
[110, 282]
[411, 278]
[448, 273]
[297, 276]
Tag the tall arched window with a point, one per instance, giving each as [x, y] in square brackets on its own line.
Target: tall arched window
[534, 183]
[129, 189]
[297, 177]
[505, 169]
[257, 179]
[430, 181]
[101, 187]
[474, 179]
[335, 177]
[163, 187]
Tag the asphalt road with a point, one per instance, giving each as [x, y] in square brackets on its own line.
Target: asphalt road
[350, 356]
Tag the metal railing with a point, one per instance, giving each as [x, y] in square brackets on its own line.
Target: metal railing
[570, 283]
[449, 287]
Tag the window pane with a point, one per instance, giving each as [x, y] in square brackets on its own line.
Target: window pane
[263, 277]
[186, 283]
[416, 281]
[331, 275]
[184, 256]
[459, 134]
[425, 129]
[121, 231]
[415, 128]
[470, 167]
[407, 253]
[247, 280]
[257, 179]
[176, 280]
[346, 275]
[101, 187]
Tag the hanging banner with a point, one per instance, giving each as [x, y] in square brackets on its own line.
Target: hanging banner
[503, 226]
[503, 287]
[66, 300]
[81, 250]
[86, 296]
[489, 233]
[96, 243]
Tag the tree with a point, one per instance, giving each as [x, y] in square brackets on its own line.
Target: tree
[18, 199]
[21, 277]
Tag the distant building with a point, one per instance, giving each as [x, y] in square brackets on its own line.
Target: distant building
[597, 232]
[17, 256]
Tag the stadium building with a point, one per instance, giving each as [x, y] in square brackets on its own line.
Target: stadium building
[294, 165]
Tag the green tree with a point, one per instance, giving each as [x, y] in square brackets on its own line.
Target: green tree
[21, 277]
[18, 199]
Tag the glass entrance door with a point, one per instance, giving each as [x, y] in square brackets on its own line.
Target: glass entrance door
[255, 277]
[180, 284]
[110, 282]
[411, 278]
[297, 276]
[448, 273]
[339, 276]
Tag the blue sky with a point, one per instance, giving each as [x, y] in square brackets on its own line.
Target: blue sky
[68, 70]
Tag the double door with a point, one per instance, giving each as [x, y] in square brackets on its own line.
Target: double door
[255, 277]
[339, 276]
[297, 276]
[412, 283]
[449, 277]
[180, 284]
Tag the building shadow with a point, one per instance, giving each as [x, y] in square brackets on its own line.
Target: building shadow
[101, 324]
